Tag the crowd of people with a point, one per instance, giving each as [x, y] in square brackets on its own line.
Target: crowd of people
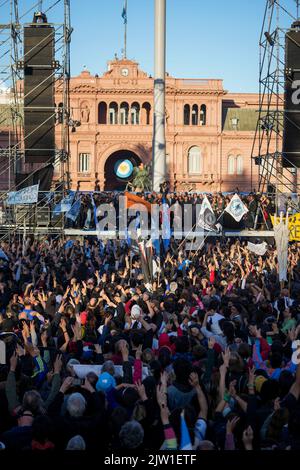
[260, 207]
[206, 359]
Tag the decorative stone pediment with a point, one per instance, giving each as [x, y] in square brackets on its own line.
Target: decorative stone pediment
[125, 69]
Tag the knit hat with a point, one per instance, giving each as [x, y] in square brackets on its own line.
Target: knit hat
[105, 382]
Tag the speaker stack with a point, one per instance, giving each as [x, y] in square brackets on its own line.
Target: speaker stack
[291, 122]
[39, 106]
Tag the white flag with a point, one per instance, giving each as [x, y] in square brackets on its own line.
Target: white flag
[259, 249]
[206, 205]
[236, 208]
[281, 235]
[206, 218]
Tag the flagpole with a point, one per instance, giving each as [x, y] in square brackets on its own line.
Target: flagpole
[159, 132]
[125, 31]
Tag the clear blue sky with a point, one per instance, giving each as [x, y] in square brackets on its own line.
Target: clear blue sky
[205, 38]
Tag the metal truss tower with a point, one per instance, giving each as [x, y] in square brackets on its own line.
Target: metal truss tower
[274, 176]
[16, 15]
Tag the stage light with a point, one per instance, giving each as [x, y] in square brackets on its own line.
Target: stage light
[39, 17]
[269, 39]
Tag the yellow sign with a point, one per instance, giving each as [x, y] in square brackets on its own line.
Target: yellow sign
[294, 226]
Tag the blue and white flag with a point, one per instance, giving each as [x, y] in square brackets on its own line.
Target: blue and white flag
[65, 204]
[57, 209]
[166, 227]
[94, 209]
[69, 244]
[124, 12]
[74, 211]
[185, 442]
[3, 255]
[236, 208]
[67, 201]
[27, 195]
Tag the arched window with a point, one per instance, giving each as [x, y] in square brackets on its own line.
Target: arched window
[146, 109]
[195, 161]
[239, 165]
[231, 165]
[135, 113]
[203, 115]
[113, 113]
[102, 113]
[195, 115]
[124, 111]
[186, 114]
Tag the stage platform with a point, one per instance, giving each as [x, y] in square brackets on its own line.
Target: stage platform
[112, 234]
[227, 233]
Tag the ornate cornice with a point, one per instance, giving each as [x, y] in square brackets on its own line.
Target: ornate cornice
[83, 88]
[88, 89]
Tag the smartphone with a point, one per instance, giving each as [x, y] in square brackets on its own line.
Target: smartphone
[77, 382]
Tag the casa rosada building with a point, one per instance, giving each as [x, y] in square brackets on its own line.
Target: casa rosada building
[209, 131]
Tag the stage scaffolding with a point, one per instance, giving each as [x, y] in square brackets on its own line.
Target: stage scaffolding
[16, 15]
[274, 178]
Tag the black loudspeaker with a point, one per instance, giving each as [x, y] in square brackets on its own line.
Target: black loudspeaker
[39, 107]
[291, 129]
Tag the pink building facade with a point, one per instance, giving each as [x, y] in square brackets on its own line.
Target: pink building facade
[209, 131]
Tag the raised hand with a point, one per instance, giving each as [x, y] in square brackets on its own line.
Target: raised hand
[248, 438]
[88, 386]
[139, 352]
[77, 331]
[58, 363]
[161, 396]
[232, 389]
[141, 391]
[67, 383]
[226, 357]
[231, 424]
[277, 404]
[194, 380]
[13, 362]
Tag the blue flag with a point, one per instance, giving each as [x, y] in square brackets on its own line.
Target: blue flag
[95, 211]
[185, 443]
[69, 244]
[166, 228]
[3, 255]
[74, 211]
[124, 12]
